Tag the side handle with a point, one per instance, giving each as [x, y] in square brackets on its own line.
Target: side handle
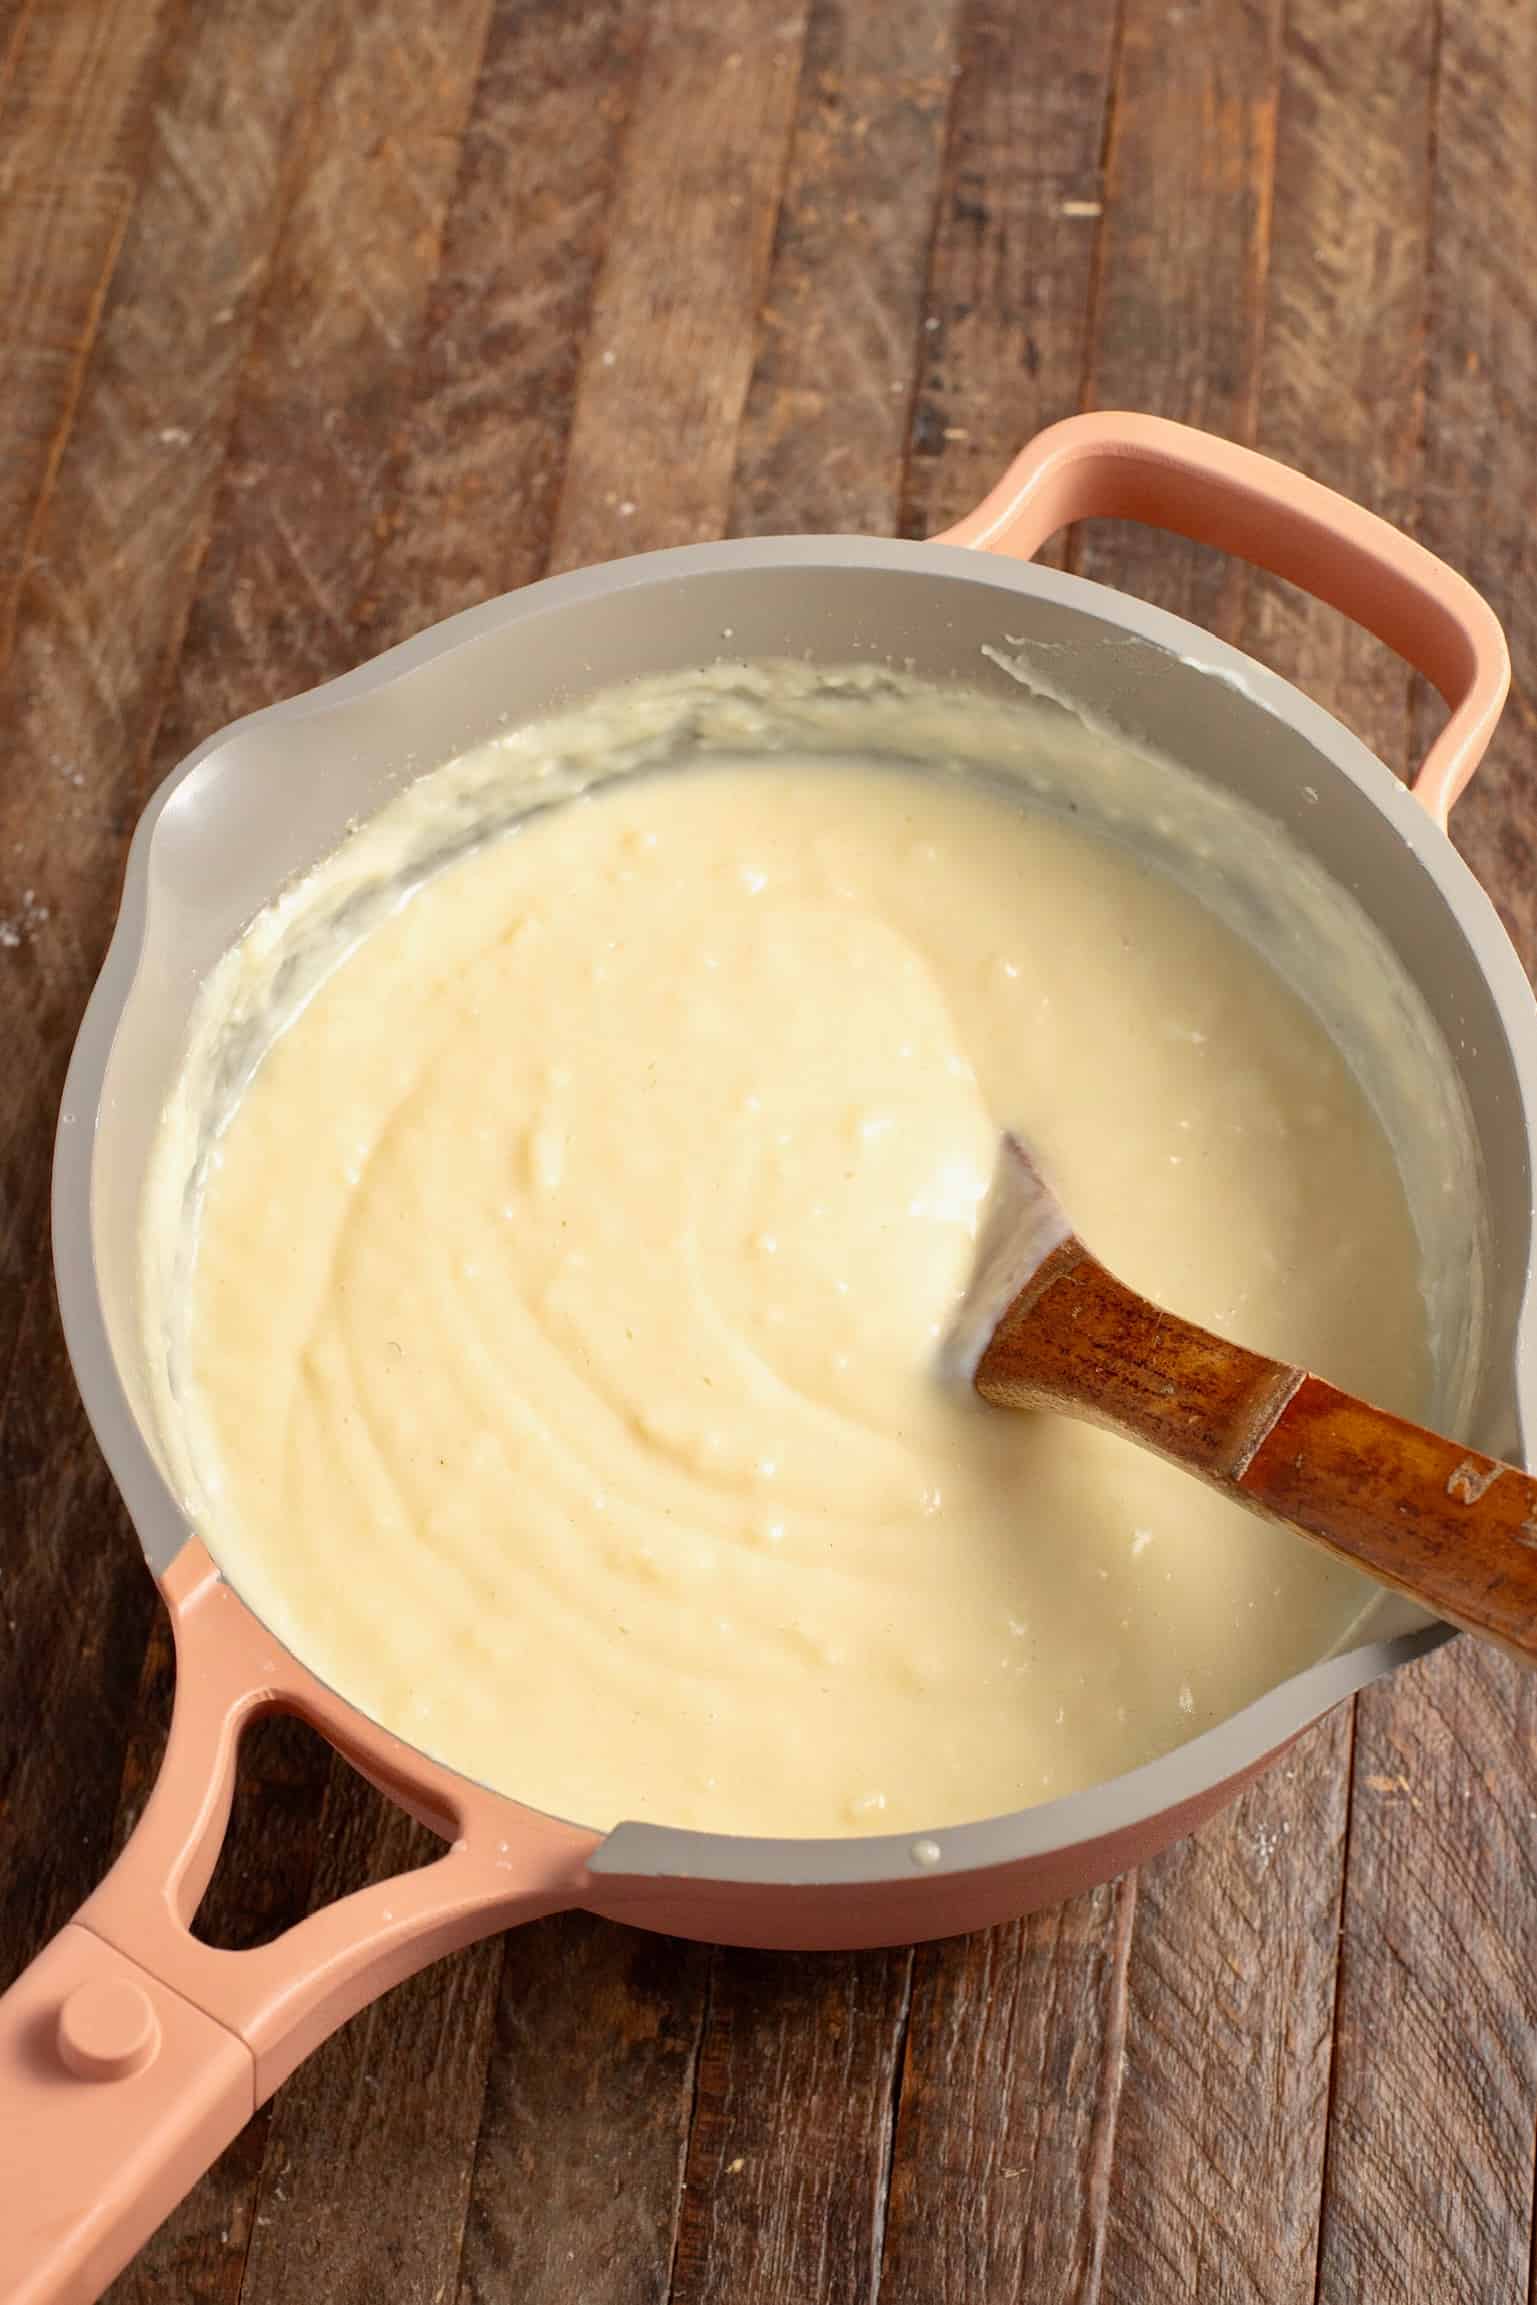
[130, 2052]
[1171, 476]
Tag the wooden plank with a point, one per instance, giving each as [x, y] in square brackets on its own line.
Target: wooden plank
[101, 615]
[465, 508]
[295, 533]
[1004, 336]
[1007, 2121]
[800, 2060]
[586, 2117]
[75, 1608]
[784, 2195]
[462, 508]
[99, 628]
[1342, 387]
[308, 493]
[824, 431]
[592, 2072]
[1220, 2160]
[1009, 2111]
[97, 622]
[1480, 486]
[1429, 2187]
[537, 98]
[1181, 286]
[480, 441]
[670, 352]
[1435, 2101]
[74, 112]
[416, 2069]
[1232, 1972]
[1230, 2004]
[483, 444]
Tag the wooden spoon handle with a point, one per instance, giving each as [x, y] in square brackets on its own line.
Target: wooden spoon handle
[1454, 1530]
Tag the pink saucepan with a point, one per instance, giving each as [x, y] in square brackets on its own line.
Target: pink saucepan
[130, 2052]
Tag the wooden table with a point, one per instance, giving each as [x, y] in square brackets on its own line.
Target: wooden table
[320, 319]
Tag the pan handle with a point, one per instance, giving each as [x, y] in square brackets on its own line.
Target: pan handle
[130, 2052]
[1171, 476]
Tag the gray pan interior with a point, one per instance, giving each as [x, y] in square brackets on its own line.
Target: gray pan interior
[1359, 890]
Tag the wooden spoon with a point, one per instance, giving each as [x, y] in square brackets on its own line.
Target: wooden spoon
[1045, 1326]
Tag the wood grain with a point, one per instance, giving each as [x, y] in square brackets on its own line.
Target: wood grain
[588, 2112]
[475, 485]
[1009, 2118]
[1005, 329]
[480, 452]
[1228, 2040]
[1342, 379]
[577, 2070]
[13, 24]
[148, 511]
[1429, 2189]
[98, 619]
[1481, 360]
[1344, 298]
[305, 492]
[670, 352]
[785, 2191]
[101, 614]
[1435, 2096]
[312, 502]
[1184, 250]
[1231, 1975]
[75, 89]
[590, 2076]
[587, 2099]
[824, 432]
[799, 2062]
[585, 2127]
[1006, 2130]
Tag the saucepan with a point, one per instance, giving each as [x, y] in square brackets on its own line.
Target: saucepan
[130, 2052]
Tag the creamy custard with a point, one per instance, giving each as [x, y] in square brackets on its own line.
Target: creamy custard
[563, 1319]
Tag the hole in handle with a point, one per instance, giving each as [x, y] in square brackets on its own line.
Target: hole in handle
[305, 1829]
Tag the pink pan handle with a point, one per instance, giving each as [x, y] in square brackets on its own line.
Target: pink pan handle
[131, 2053]
[1145, 468]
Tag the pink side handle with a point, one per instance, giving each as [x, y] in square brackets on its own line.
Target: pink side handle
[1170, 476]
[130, 2052]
